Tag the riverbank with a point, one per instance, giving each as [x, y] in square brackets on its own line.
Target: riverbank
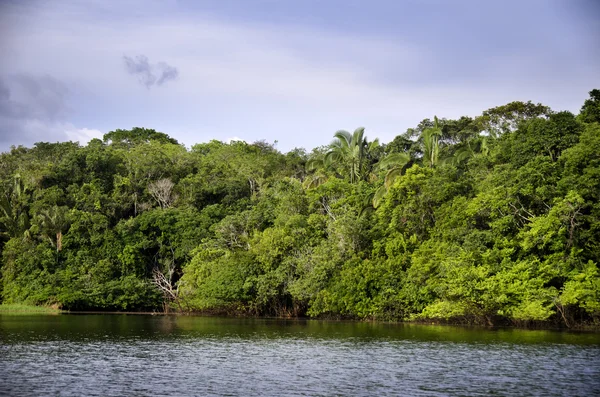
[18, 308]
[23, 309]
[531, 325]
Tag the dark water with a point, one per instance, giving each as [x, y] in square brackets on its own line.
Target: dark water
[129, 355]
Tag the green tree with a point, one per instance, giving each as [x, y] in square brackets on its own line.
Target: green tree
[505, 233]
[506, 118]
[431, 144]
[52, 223]
[352, 153]
[136, 136]
[13, 209]
[590, 111]
[393, 164]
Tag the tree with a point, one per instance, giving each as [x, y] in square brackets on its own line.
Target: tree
[431, 143]
[590, 111]
[13, 209]
[53, 222]
[162, 191]
[136, 136]
[352, 153]
[142, 165]
[546, 137]
[506, 118]
[507, 233]
[394, 164]
[477, 146]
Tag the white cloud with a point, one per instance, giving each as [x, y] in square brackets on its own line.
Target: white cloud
[44, 131]
[81, 135]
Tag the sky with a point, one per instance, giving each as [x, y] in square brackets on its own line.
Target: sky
[282, 70]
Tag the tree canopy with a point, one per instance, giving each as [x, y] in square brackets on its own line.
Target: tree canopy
[488, 220]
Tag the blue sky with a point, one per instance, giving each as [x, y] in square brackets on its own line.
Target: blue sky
[291, 71]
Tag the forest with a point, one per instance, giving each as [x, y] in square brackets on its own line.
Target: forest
[488, 220]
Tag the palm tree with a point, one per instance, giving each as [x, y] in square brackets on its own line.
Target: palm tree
[431, 136]
[394, 163]
[352, 152]
[316, 179]
[53, 222]
[474, 147]
[13, 213]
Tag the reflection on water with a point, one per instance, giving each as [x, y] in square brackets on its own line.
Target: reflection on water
[127, 355]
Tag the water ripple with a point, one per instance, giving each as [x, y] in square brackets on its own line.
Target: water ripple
[275, 362]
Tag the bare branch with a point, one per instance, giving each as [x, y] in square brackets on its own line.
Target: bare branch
[162, 191]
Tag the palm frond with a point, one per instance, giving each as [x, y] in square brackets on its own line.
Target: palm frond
[378, 196]
[357, 138]
[314, 164]
[394, 160]
[344, 138]
[391, 176]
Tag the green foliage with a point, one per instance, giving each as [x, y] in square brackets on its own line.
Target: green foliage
[590, 111]
[136, 136]
[506, 118]
[487, 220]
[583, 290]
[548, 137]
[431, 144]
[13, 208]
[351, 155]
[393, 164]
[20, 309]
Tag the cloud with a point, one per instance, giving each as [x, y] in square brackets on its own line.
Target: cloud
[25, 97]
[149, 74]
[26, 102]
[34, 109]
[167, 73]
[297, 82]
[82, 135]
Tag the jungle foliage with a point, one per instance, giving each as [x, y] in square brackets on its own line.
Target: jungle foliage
[490, 220]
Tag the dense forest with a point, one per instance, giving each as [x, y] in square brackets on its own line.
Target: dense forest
[488, 220]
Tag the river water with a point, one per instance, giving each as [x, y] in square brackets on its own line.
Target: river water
[138, 355]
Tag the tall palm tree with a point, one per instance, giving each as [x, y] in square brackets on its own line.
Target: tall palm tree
[431, 137]
[351, 152]
[53, 222]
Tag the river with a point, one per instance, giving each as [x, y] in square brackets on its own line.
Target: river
[142, 355]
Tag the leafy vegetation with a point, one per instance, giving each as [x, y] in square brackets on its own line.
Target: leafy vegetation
[20, 309]
[490, 220]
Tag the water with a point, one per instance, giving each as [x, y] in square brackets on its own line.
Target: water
[133, 355]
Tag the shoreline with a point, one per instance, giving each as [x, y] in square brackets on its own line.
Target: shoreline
[533, 327]
[20, 310]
